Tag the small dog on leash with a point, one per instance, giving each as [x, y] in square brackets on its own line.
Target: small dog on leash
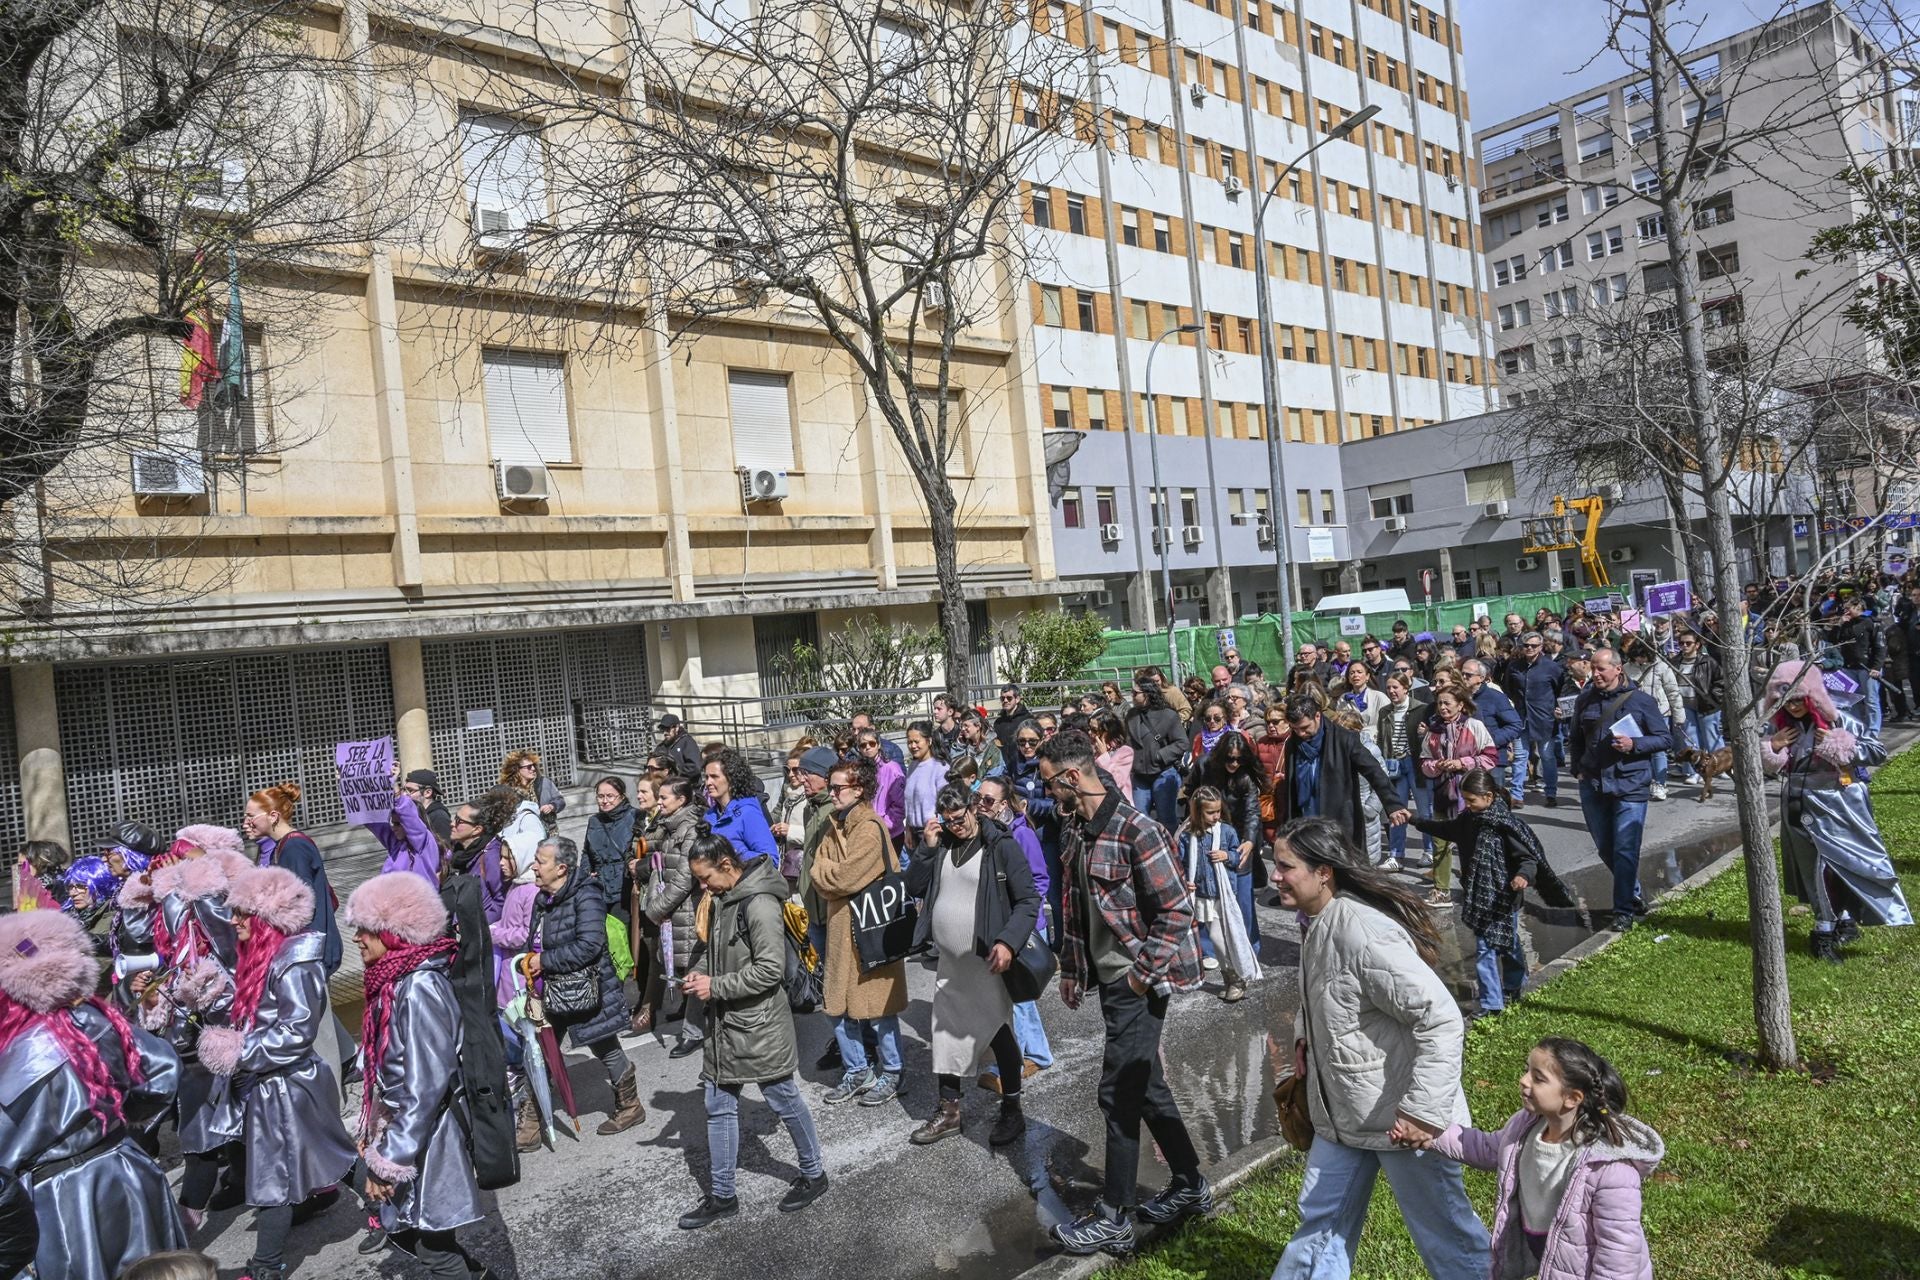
[1711, 764]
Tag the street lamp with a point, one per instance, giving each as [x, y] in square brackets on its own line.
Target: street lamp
[1163, 532]
[1270, 374]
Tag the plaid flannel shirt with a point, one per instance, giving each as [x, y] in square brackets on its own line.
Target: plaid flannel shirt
[1138, 889]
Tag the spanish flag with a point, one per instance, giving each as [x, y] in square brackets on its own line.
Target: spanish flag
[198, 363]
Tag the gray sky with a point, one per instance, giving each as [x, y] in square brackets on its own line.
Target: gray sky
[1522, 54]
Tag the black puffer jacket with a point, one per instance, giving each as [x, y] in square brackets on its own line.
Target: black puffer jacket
[609, 846]
[1157, 739]
[1007, 906]
[573, 935]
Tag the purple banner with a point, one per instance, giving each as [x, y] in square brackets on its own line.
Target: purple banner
[1669, 597]
[366, 780]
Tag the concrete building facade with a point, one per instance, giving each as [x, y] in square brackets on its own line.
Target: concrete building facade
[1370, 267]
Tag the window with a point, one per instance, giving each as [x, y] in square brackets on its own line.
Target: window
[1130, 228]
[1063, 408]
[1070, 509]
[1723, 261]
[1657, 276]
[1105, 509]
[1303, 505]
[1596, 245]
[1646, 182]
[1517, 360]
[1051, 313]
[1715, 212]
[505, 180]
[1652, 227]
[1590, 200]
[526, 401]
[1516, 315]
[1077, 214]
[1392, 499]
[1236, 251]
[762, 409]
[1042, 207]
[1189, 506]
[1083, 310]
[1710, 108]
[1601, 144]
[1137, 320]
[719, 22]
[1162, 233]
[1243, 330]
[1492, 483]
[1096, 409]
[1329, 514]
[1641, 130]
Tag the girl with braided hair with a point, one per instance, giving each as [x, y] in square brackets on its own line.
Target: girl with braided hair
[78, 1081]
[288, 1097]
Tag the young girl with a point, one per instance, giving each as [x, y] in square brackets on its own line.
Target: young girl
[1571, 1162]
[1209, 849]
[1499, 857]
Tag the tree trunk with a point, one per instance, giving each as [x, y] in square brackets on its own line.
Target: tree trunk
[958, 651]
[1772, 1007]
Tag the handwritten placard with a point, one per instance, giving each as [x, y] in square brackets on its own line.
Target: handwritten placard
[366, 780]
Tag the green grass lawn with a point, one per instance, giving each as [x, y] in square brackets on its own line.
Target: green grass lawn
[1764, 1176]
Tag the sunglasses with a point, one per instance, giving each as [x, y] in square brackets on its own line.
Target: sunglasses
[1027, 742]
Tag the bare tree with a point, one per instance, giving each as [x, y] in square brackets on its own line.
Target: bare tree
[854, 164]
[155, 156]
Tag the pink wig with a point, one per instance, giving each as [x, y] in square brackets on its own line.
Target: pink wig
[46, 960]
[208, 838]
[275, 895]
[400, 903]
[201, 878]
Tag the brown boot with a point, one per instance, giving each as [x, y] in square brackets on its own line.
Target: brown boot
[627, 1111]
[526, 1127]
[641, 1022]
[944, 1124]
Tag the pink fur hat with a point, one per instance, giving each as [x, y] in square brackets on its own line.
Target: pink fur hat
[274, 894]
[1800, 679]
[46, 960]
[208, 838]
[401, 903]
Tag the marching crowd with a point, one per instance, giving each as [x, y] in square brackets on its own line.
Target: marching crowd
[1113, 848]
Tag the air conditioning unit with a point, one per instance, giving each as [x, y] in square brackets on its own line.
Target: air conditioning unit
[1610, 492]
[1527, 564]
[1453, 183]
[1394, 524]
[167, 475]
[1109, 533]
[1620, 555]
[1264, 532]
[1189, 593]
[491, 222]
[933, 298]
[1198, 92]
[1163, 536]
[1496, 509]
[520, 481]
[1099, 599]
[223, 191]
[762, 484]
[1192, 534]
[1233, 186]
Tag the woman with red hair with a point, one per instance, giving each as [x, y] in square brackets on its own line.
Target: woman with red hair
[77, 1081]
[288, 1097]
[269, 821]
[1835, 859]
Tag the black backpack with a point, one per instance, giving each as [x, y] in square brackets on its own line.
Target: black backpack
[805, 987]
[489, 1120]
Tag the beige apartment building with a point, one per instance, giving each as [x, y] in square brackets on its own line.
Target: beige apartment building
[477, 535]
[1568, 227]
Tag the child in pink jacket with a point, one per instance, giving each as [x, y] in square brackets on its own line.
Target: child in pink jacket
[1571, 1162]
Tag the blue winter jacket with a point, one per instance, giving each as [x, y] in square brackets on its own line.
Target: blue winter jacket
[743, 824]
[1618, 775]
[1534, 688]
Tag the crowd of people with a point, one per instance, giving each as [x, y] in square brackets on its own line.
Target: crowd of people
[1118, 844]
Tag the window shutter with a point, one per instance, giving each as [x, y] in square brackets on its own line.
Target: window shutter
[501, 159]
[526, 395]
[762, 419]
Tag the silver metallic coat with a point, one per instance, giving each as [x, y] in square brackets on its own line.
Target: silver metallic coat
[419, 1094]
[107, 1213]
[1830, 825]
[295, 1141]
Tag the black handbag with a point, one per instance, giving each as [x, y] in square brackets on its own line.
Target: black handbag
[569, 995]
[884, 919]
[1032, 969]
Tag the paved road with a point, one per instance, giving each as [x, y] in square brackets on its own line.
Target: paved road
[608, 1207]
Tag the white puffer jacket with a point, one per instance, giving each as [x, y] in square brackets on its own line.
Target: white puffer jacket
[1383, 1033]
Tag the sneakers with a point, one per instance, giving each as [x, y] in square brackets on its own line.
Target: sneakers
[802, 1192]
[1176, 1202]
[851, 1086]
[1236, 991]
[886, 1087]
[1659, 791]
[1209, 963]
[1622, 921]
[710, 1210]
[376, 1238]
[1553, 802]
[1389, 864]
[1440, 899]
[1095, 1232]
[1847, 931]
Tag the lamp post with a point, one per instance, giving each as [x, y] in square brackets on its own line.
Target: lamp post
[1270, 375]
[1162, 532]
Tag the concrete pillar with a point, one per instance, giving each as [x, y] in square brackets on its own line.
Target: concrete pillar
[412, 741]
[1446, 573]
[663, 416]
[1220, 596]
[390, 410]
[677, 646]
[43, 774]
[1143, 601]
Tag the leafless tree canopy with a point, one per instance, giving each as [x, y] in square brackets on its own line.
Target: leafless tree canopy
[147, 149]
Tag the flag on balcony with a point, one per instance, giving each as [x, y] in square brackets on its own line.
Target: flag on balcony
[233, 340]
[199, 363]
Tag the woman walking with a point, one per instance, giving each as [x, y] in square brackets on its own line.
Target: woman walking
[735, 809]
[1357, 691]
[926, 775]
[889, 783]
[269, 820]
[579, 987]
[752, 1041]
[412, 1126]
[610, 832]
[980, 907]
[790, 814]
[1455, 744]
[521, 771]
[1234, 770]
[673, 905]
[854, 852]
[80, 1082]
[1398, 736]
[1369, 995]
[288, 1096]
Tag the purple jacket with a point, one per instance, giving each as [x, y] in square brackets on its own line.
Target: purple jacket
[1023, 835]
[410, 845]
[1596, 1235]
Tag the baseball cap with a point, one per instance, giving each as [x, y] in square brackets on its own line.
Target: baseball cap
[667, 721]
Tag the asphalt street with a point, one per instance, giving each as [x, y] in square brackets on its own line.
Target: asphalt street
[608, 1207]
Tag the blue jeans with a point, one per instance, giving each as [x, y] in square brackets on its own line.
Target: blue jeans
[1616, 826]
[1524, 748]
[723, 1129]
[1335, 1195]
[854, 1054]
[1404, 773]
[1501, 971]
[1869, 708]
[1161, 800]
[1032, 1035]
[1243, 893]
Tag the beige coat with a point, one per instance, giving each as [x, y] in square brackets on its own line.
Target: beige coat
[854, 852]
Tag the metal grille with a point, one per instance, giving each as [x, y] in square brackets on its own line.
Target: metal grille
[173, 743]
[980, 641]
[13, 815]
[575, 697]
[774, 638]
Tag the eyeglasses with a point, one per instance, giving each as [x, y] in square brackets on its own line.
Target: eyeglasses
[1026, 742]
[1232, 762]
[1531, 644]
[1006, 697]
[793, 768]
[845, 786]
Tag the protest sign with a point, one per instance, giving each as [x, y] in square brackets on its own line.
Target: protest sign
[366, 780]
[1669, 597]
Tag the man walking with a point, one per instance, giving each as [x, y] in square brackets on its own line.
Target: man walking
[1494, 709]
[1863, 654]
[1533, 683]
[1129, 934]
[1617, 730]
[1321, 770]
[677, 745]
